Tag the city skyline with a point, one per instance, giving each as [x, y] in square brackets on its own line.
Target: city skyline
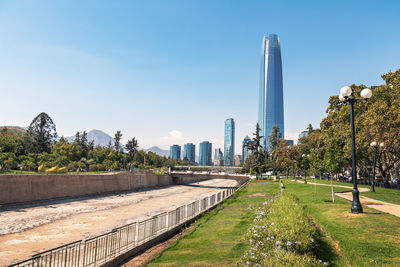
[109, 71]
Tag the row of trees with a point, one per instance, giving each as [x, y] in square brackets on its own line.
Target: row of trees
[329, 147]
[39, 146]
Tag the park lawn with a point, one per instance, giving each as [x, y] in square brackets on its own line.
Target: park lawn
[367, 239]
[322, 181]
[383, 194]
[344, 239]
[216, 238]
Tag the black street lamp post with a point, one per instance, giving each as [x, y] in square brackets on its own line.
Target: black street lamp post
[375, 146]
[347, 97]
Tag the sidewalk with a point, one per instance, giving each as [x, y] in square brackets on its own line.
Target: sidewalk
[369, 202]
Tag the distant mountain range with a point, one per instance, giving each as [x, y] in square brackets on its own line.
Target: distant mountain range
[158, 151]
[15, 129]
[100, 138]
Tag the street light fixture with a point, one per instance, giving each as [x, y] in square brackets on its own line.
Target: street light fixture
[375, 146]
[347, 97]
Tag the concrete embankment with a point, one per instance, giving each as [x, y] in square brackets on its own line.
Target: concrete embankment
[18, 188]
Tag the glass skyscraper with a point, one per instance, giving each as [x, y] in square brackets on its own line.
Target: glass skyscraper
[175, 152]
[218, 154]
[229, 147]
[205, 154]
[270, 107]
[245, 149]
[189, 150]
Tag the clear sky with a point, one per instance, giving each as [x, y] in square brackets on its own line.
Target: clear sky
[170, 72]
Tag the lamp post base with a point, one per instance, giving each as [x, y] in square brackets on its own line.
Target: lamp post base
[356, 205]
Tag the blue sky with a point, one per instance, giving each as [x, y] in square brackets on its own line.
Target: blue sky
[170, 72]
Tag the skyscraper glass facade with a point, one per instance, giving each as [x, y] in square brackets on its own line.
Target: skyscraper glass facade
[245, 149]
[229, 147]
[218, 154]
[175, 152]
[270, 107]
[189, 150]
[205, 154]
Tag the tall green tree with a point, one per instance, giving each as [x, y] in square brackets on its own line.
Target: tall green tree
[117, 140]
[132, 146]
[42, 133]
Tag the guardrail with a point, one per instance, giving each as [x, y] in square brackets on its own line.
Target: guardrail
[104, 248]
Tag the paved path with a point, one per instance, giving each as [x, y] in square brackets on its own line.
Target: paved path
[369, 202]
[29, 229]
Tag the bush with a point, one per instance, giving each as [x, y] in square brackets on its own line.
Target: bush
[62, 170]
[52, 170]
[281, 235]
[42, 168]
[73, 166]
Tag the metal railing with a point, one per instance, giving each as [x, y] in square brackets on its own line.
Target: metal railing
[101, 249]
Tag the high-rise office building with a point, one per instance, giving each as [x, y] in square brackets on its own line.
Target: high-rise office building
[245, 149]
[175, 152]
[189, 152]
[229, 147]
[270, 106]
[205, 154]
[218, 154]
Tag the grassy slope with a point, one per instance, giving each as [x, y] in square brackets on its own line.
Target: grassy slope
[217, 237]
[368, 239]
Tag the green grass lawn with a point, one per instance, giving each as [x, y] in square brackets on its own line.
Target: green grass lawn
[383, 194]
[217, 238]
[369, 239]
[345, 239]
[322, 181]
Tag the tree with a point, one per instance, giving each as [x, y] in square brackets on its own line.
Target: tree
[117, 139]
[132, 146]
[255, 161]
[274, 137]
[42, 133]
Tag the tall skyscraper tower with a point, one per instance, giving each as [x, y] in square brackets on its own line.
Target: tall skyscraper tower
[229, 147]
[189, 150]
[205, 154]
[270, 107]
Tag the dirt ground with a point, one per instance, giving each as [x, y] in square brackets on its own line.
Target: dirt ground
[29, 229]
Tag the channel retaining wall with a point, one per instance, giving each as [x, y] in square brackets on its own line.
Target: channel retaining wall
[17, 188]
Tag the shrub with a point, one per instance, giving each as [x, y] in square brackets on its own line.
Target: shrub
[73, 166]
[62, 170]
[42, 168]
[52, 170]
[281, 235]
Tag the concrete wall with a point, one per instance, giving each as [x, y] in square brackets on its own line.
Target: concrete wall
[183, 178]
[24, 188]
